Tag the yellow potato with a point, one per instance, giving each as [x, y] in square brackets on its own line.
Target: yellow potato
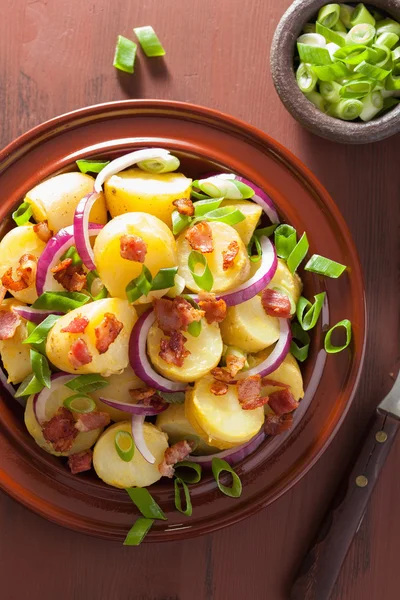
[220, 420]
[205, 353]
[138, 472]
[174, 423]
[134, 190]
[223, 280]
[16, 243]
[284, 278]
[251, 211]
[249, 327]
[56, 199]
[288, 372]
[14, 354]
[118, 389]
[83, 441]
[115, 359]
[116, 272]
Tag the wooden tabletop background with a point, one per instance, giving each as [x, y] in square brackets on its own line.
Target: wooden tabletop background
[55, 56]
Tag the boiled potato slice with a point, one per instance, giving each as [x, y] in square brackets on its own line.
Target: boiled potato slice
[288, 372]
[14, 354]
[138, 472]
[83, 441]
[284, 278]
[220, 420]
[56, 199]
[222, 235]
[251, 211]
[205, 353]
[16, 243]
[116, 272]
[115, 359]
[174, 423]
[249, 327]
[118, 389]
[134, 190]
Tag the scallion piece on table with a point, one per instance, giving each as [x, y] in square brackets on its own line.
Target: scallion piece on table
[300, 352]
[219, 467]
[329, 347]
[306, 78]
[204, 279]
[324, 266]
[149, 41]
[361, 15]
[307, 313]
[40, 333]
[85, 384]
[285, 238]
[314, 55]
[329, 35]
[178, 484]
[388, 26]
[329, 91]
[145, 502]
[159, 165]
[22, 214]
[328, 15]
[80, 403]
[359, 88]
[347, 109]
[91, 166]
[363, 33]
[125, 54]
[61, 301]
[345, 14]
[298, 253]
[372, 105]
[40, 368]
[187, 471]
[138, 531]
[387, 39]
[124, 445]
[371, 71]
[30, 385]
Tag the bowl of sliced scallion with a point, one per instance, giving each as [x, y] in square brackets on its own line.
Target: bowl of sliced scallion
[336, 68]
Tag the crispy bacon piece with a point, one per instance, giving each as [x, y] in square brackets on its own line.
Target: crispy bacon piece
[214, 310]
[42, 231]
[144, 393]
[219, 388]
[249, 391]
[81, 461]
[175, 314]
[172, 350]
[72, 277]
[107, 332]
[221, 374]
[184, 206]
[174, 454]
[60, 431]
[200, 237]
[77, 325]
[274, 425]
[9, 321]
[91, 421]
[12, 284]
[282, 402]
[229, 255]
[274, 383]
[62, 265]
[132, 247]
[234, 364]
[27, 269]
[275, 304]
[79, 354]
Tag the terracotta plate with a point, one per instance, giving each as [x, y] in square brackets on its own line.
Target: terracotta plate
[204, 139]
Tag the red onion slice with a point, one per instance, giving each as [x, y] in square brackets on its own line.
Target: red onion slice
[140, 362]
[232, 455]
[277, 355]
[40, 400]
[154, 408]
[123, 162]
[51, 255]
[36, 315]
[138, 438]
[81, 230]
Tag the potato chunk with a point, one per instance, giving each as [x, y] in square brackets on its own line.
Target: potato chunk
[118, 389]
[14, 354]
[138, 472]
[284, 278]
[56, 199]
[288, 372]
[252, 213]
[174, 423]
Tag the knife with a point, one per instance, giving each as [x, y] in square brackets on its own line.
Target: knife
[321, 567]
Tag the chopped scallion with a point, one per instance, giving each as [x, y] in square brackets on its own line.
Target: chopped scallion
[138, 531]
[298, 253]
[164, 279]
[324, 266]
[125, 54]
[329, 347]
[85, 384]
[363, 33]
[307, 313]
[159, 165]
[179, 483]
[149, 41]
[124, 445]
[40, 368]
[347, 109]
[361, 15]
[145, 502]
[285, 238]
[23, 213]
[306, 78]
[30, 385]
[329, 14]
[187, 471]
[329, 35]
[61, 301]
[40, 333]
[80, 403]
[91, 166]
[73, 255]
[179, 222]
[205, 279]
[314, 55]
[204, 206]
[298, 333]
[219, 467]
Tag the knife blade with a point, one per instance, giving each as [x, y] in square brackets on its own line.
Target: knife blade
[391, 402]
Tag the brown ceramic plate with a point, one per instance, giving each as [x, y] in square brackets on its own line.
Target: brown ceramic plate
[204, 140]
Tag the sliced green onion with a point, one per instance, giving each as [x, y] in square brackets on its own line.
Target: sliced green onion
[22, 214]
[393, 82]
[125, 54]
[329, 35]
[230, 189]
[331, 72]
[198, 196]
[307, 313]
[173, 397]
[265, 231]
[159, 165]
[73, 255]
[254, 241]
[363, 33]
[340, 27]
[309, 28]
[388, 103]
[396, 55]
[61, 301]
[316, 99]
[387, 39]
[352, 55]
[284, 292]
[39, 346]
[306, 78]
[300, 352]
[227, 214]
[85, 384]
[312, 39]
[140, 286]
[359, 88]
[138, 531]
[204, 206]
[371, 71]
[372, 105]
[188, 472]
[285, 237]
[314, 55]
[80, 403]
[178, 483]
[345, 14]
[40, 368]
[149, 41]
[30, 385]
[179, 222]
[220, 466]
[383, 56]
[347, 109]
[164, 279]
[330, 91]
[361, 15]
[329, 14]
[329, 347]
[194, 328]
[332, 48]
[204, 280]
[91, 166]
[144, 501]
[324, 266]
[40, 333]
[124, 445]
[93, 281]
[298, 253]
[388, 26]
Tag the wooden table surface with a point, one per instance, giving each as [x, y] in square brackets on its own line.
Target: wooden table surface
[55, 56]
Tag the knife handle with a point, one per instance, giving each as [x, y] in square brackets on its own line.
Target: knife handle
[321, 566]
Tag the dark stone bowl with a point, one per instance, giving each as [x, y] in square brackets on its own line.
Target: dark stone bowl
[282, 52]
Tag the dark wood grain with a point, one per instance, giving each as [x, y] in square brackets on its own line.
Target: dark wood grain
[56, 55]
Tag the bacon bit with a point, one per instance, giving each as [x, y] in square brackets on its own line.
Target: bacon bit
[200, 237]
[62, 265]
[175, 314]
[221, 374]
[81, 461]
[79, 354]
[90, 421]
[229, 255]
[27, 269]
[72, 277]
[272, 382]
[77, 325]
[132, 247]
[107, 332]
[249, 391]
[9, 322]
[172, 350]
[143, 393]
[174, 454]
[234, 364]
[282, 402]
[184, 206]
[275, 304]
[215, 310]
[11, 284]
[42, 231]
[60, 431]
[219, 388]
[275, 425]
